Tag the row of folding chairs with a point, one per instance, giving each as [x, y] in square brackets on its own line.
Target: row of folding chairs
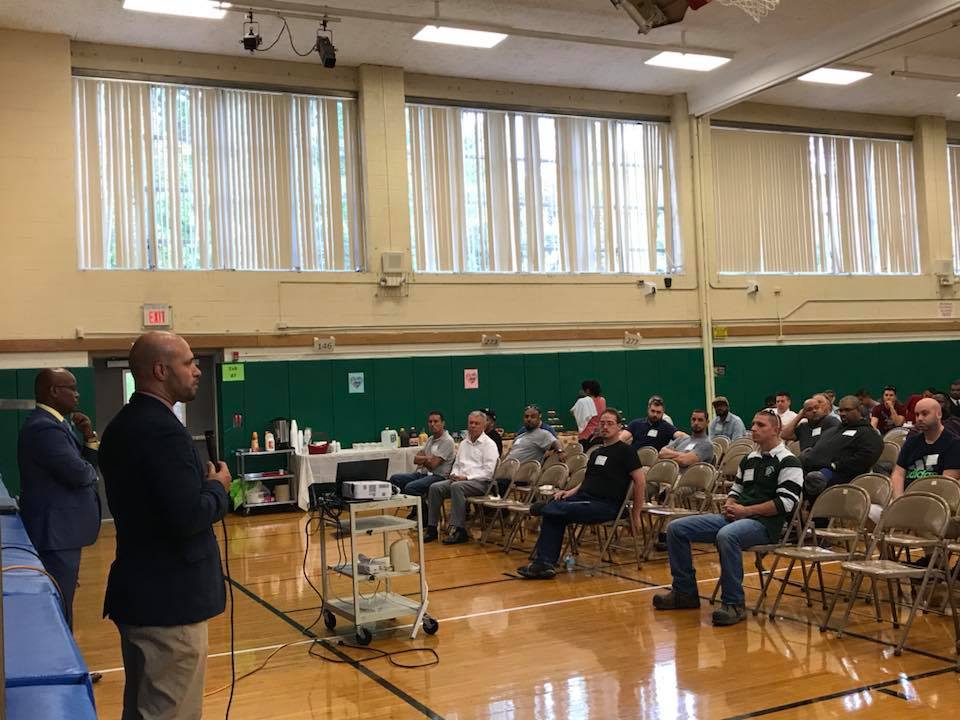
[924, 519]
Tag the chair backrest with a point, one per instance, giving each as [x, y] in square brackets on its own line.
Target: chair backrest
[551, 461]
[916, 512]
[527, 473]
[662, 473]
[878, 487]
[575, 479]
[718, 449]
[699, 477]
[648, 456]
[845, 503]
[731, 460]
[743, 442]
[890, 453]
[794, 447]
[507, 469]
[592, 449]
[723, 441]
[555, 475]
[575, 448]
[575, 462]
[940, 486]
[897, 436]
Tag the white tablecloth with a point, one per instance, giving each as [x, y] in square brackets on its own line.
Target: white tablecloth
[323, 468]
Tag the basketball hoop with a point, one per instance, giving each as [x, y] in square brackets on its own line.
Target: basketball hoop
[754, 8]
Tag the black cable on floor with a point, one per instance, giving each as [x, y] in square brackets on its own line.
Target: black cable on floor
[233, 657]
[377, 655]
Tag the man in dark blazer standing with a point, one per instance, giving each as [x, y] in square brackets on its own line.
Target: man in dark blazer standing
[58, 473]
[166, 581]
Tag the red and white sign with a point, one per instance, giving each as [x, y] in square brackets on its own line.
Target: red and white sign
[157, 316]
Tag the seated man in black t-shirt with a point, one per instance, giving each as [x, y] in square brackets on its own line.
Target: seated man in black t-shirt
[598, 498]
[932, 451]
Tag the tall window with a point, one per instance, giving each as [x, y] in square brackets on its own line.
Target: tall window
[494, 191]
[953, 162]
[193, 178]
[799, 203]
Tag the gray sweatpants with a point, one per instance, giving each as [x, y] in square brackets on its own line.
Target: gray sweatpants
[458, 492]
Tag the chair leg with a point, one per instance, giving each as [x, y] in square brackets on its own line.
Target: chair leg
[833, 601]
[805, 574]
[854, 589]
[891, 595]
[875, 592]
[950, 578]
[783, 586]
[713, 595]
[913, 609]
[765, 585]
[823, 592]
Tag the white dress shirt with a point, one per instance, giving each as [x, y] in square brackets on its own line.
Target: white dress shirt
[476, 459]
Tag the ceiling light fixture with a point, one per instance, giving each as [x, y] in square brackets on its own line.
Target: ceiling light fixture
[459, 36]
[834, 76]
[687, 61]
[209, 9]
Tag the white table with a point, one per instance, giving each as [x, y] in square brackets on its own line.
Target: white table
[323, 468]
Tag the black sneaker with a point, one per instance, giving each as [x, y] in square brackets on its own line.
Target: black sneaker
[536, 571]
[729, 615]
[675, 601]
[459, 535]
[430, 534]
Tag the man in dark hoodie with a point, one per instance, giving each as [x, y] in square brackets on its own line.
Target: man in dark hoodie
[843, 452]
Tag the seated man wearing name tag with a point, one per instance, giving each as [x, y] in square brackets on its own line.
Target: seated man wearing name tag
[433, 462]
[843, 452]
[598, 498]
[932, 451]
[763, 497]
[652, 431]
[811, 422]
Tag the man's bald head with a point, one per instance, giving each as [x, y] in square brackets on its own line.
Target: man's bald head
[928, 415]
[57, 388]
[162, 364]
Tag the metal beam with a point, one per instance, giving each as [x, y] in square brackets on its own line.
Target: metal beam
[317, 12]
[882, 21]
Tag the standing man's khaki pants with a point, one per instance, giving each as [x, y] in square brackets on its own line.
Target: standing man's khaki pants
[164, 669]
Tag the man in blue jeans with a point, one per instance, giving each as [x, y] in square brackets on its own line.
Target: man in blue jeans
[433, 461]
[764, 495]
[610, 470]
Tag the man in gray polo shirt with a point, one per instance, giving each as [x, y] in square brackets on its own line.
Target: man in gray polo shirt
[433, 461]
[693, 448]
[534, 443]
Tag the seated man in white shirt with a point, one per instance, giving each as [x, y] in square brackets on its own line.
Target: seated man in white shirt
[471, 475]
[783, 408]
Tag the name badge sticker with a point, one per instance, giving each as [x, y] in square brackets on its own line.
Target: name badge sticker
[815, 432]
[849, 433]
[601, 460]
[748, 475]
[932, 459]
[652, 433]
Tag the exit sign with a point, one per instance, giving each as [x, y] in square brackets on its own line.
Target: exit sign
[157, 316]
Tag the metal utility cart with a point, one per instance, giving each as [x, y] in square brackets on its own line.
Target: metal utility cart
[274, 478]
[359, 519]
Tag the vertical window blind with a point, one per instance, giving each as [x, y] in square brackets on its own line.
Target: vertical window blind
[195, 178]
[514, 192]
[953, 163]
[803, 203]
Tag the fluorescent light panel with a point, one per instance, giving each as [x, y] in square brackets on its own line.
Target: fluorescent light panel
[459, 36]
[687, 61]
[185, 8]
[834, 76]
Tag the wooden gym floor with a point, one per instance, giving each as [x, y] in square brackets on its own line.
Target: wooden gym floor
[585, 645]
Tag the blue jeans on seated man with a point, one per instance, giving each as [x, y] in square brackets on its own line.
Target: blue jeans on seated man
[557, 514]
[731, 539]
[415, 483]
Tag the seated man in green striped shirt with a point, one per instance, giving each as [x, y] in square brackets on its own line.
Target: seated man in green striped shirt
[764, 496]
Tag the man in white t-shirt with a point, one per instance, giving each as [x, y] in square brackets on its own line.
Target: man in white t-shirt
[783, 409]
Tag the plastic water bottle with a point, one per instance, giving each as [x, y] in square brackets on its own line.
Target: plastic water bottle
[570, 563]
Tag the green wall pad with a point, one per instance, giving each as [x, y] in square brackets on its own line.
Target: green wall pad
[398, 392]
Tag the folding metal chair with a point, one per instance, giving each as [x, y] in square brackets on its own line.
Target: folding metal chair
[699, 478]
[648, 456]
[836, 504]
[918, 515]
